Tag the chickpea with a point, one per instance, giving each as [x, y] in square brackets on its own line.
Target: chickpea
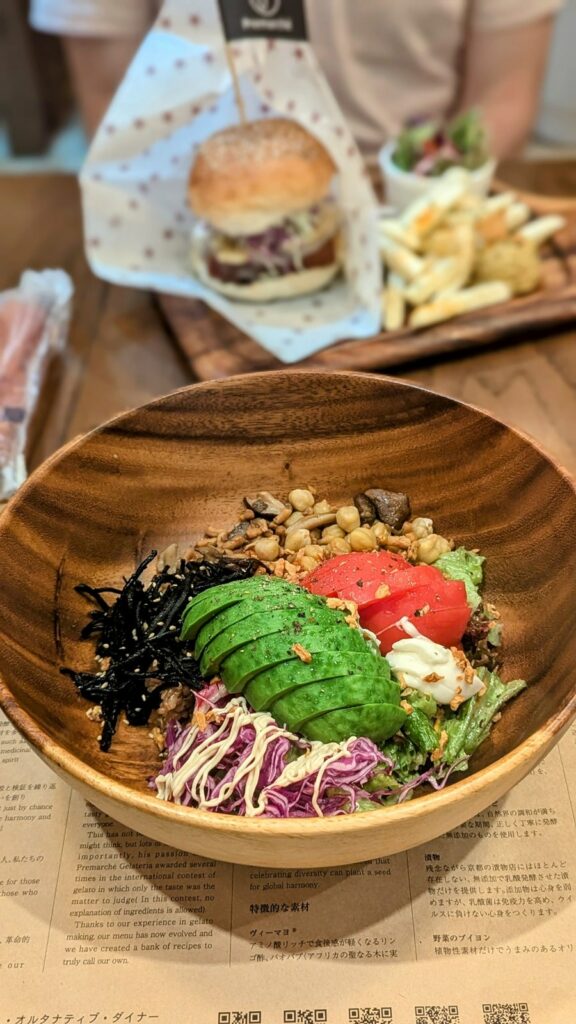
[330, 532]
[314, 551]
[321, 508]
[301, 499]
[422, 527]
[296, 539]
[362, 539]
[381, 532]
[293, 519]
[340, 546]
[306, 562]
[267, 548]
[348, 518]
[430, 548]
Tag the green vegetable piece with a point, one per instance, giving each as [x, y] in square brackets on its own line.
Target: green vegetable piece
[468, 134]
[377, 722]
[258, 655]
[471, 725]
[304, 703]
[197, 615]
[201, 608]
[381, 780]
[256, 604]
[410, 144]
[290, 621]
[408, 760]
[422, 702]
[419, 729]
[273, 683]
[456, 729]
[465, 566]
[363, 804]
[494, 635]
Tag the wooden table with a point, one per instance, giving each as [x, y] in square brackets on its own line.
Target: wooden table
[121, 352]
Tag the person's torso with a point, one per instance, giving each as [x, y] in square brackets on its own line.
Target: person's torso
[389, 60]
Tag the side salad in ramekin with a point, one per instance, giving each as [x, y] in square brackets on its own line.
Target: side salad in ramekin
[427, 149]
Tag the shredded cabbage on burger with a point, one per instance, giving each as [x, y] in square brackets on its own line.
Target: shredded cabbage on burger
[304, 240]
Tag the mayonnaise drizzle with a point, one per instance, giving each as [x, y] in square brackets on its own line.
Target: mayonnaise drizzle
[201, 760]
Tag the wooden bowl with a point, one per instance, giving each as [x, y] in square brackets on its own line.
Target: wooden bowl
[165, 471]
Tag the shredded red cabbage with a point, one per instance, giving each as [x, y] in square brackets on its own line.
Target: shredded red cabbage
[211, 762]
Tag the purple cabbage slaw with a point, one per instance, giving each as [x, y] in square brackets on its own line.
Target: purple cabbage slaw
[335, 786]
[332, 787]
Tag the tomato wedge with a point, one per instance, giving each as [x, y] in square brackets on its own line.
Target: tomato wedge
[437, 607]
[437, 610]
[444, 626]
[397, 582]
[352, 575]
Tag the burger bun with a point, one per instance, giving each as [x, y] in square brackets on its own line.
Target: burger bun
[251, 176]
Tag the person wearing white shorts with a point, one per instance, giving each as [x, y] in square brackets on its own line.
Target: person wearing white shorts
[387, 61]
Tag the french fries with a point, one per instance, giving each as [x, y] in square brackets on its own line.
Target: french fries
[516, 215]
[393, 304]
[464, 301]
[399, 259]
[440, 253]
[541, 229]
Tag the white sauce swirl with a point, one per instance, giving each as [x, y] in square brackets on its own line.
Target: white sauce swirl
[432, 669]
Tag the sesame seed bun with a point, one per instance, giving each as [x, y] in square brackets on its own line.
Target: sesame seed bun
[251, 176]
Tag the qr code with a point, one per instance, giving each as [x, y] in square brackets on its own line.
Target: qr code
[436, 1015]
[240, 1017]
[305, 1016]
[506, 1013]
[370, 1014]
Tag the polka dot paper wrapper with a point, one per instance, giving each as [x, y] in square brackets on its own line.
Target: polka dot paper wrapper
[177, 92]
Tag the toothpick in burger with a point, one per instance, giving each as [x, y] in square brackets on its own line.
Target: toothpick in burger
[268, 228]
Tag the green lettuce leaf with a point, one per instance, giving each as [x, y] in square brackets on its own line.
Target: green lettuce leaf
[467, 132]
[466, 566]
[469, 727]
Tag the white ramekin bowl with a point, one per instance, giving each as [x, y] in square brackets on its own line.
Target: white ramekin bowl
[402, 187]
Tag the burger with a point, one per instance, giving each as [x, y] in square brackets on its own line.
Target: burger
[267, 227]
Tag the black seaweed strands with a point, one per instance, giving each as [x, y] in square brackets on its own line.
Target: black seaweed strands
[137, 631]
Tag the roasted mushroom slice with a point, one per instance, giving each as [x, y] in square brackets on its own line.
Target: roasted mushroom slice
[265, 505]
[392, 507]
[365, 508]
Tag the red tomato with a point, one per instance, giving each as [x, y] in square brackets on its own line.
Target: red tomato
[397, 582]
[353, 573]
[439, 611]
[444, 626]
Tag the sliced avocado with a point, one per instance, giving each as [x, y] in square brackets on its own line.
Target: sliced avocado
[307, 702]
[256, 656]
[215, 599]
[197, 615]
[256, 604]
[271, 684]
[290, 621]
[377, 722]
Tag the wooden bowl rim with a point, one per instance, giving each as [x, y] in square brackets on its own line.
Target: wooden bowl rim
[539, 202]
[526, 753]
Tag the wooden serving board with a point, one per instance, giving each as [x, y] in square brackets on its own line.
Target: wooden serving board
[216, 348]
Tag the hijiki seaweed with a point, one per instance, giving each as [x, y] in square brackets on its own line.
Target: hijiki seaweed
[136, 628]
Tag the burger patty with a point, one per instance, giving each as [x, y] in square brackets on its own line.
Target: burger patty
[247, 273]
